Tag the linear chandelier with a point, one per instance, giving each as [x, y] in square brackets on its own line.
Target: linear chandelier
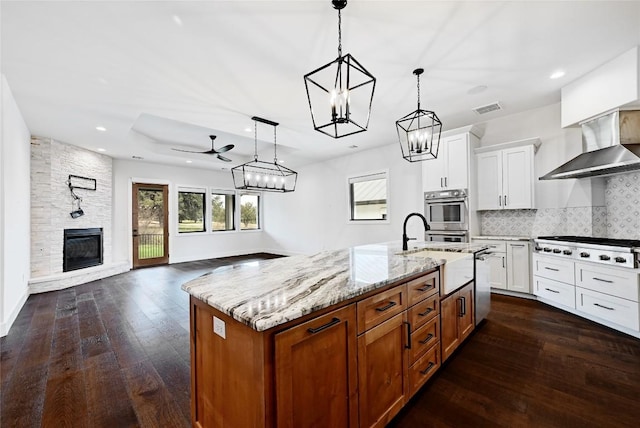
[340, 93]
[419, 131]
[264, 176]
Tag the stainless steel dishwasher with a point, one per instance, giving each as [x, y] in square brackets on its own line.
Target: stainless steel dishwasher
[483, 284]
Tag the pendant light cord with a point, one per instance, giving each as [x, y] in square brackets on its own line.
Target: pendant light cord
[418, 76]
[339, 34]
[255, 139]
[275, 147]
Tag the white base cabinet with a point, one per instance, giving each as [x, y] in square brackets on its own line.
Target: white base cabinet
[510, 265]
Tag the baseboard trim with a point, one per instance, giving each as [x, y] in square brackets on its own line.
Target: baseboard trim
[5, 326]
[513, 294]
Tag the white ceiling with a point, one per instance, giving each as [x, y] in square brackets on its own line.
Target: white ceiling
[73, 66]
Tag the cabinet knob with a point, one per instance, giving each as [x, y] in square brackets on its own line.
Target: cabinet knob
[620, 260]
[605, 257]
[584, 255]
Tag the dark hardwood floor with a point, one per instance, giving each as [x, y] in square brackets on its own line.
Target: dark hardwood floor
[115, 353]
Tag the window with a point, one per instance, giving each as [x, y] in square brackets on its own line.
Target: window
[191, 211]
[249, 211]
[223, 208]
[368, 197]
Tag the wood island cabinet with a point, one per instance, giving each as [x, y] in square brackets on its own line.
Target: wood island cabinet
[352, 365]
[457, 319]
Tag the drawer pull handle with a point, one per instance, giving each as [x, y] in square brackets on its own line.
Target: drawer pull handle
[408, 345]
[553, 269]
[427, 312]
[553, 291]
[426, 339]
[331, 323]
[603, 280]
[387, 306]
[463, 307]
[427, 287]
[517, 245]
[603, 307]
[429, 367]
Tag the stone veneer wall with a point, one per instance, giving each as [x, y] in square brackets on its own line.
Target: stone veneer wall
[619, 218]
[51, 202]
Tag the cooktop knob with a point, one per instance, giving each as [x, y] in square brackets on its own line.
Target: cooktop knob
[620, 260]
[556, 251]
[538, 248]
[584, 254]
[567, 252]
[605, 257]
[546, 249]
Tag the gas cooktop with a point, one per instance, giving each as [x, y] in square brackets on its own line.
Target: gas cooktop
[610, 242]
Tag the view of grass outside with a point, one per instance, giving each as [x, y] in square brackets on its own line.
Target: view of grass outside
[191, 208]
[249, 212]
[150, 224]
[222, 211]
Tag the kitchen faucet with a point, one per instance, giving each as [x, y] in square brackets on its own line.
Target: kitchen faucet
[405, 238]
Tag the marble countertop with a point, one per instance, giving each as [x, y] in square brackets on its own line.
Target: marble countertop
[503, 238]
[268, 293]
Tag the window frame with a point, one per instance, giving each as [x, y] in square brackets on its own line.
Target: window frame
[367, 176]
[260, 212]
[194, 190]
[236, 207]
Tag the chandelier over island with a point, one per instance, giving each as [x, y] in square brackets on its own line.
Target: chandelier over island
[264, 176]
[340, 93]
[419, 131]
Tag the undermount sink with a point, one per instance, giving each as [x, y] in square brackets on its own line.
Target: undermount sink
[457, 270]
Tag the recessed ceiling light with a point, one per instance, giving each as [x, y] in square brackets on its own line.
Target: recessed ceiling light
[137, 157]
[103, 80]
[557, 74]
[247, 129]
[353, 146]
[477, 89]
[177, 20]
[101, 128]
[100, 149]
[280, 161]
[188, 161]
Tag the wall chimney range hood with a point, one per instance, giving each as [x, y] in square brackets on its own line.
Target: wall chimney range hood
[610, 144]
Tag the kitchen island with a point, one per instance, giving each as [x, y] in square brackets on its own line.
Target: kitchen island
[340, 338]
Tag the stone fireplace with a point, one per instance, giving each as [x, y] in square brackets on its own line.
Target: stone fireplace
[82, 248]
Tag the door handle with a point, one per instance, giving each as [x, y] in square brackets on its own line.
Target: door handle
[331, 323]
[499, 200]
[505, 200]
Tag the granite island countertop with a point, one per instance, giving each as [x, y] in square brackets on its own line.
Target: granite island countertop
[265, 294]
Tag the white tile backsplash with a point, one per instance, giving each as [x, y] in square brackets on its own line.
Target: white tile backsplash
[619, 218]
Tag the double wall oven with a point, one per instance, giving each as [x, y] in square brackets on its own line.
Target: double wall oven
[447, 213]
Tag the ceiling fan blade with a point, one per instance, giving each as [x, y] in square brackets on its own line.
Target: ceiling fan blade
[225, 148]
[222, 158]
[187, 151]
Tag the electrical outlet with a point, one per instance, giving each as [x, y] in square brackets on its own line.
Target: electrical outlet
[219, 327]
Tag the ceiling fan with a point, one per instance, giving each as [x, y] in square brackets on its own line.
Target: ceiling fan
[213, 151]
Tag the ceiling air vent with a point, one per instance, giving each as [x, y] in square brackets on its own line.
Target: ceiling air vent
[488, 108]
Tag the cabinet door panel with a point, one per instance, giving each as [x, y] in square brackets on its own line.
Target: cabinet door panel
[423, 287]
[467, 317]
[423, 369]
[457, 148]
[423, 312]
[518, 275]
[498, 263]
[517, 178]
[382, 371]
[381, 307]
[449, 335]
[433, 172]
[423, 339]
[489, 180]
[316, 372]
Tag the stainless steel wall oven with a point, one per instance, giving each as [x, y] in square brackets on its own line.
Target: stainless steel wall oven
[447, 213]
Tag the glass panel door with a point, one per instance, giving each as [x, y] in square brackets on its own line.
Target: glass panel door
[149, 225]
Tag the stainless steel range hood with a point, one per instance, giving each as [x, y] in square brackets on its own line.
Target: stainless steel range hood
[610, 144]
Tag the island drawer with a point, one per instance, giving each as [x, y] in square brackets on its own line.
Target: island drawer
[423, 287]
[424, 338]
[381, 307]
[423, 369]
[423, 312]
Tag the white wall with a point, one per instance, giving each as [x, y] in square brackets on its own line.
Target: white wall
[558, 146]
[314, 217]
[181, 247]
[14, 210]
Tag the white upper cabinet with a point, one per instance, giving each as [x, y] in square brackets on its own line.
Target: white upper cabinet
[450, 170]
[505, 175]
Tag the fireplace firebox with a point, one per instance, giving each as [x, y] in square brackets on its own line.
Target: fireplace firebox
[82, 248]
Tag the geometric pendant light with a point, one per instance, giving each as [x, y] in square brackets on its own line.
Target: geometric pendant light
[340, 93]
[264, 176]
[419, 132]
